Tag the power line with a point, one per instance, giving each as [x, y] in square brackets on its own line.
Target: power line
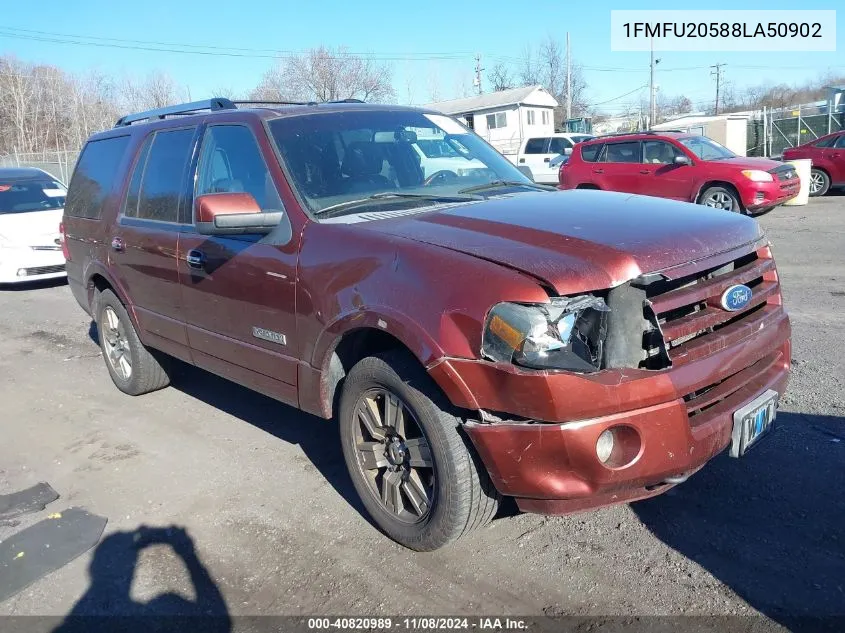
[718, 73]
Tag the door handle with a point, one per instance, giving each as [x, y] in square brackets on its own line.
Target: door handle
[195, 259]
[645, 171]
[598, 171]
[521, 160]
[546, 160]
[117, 244]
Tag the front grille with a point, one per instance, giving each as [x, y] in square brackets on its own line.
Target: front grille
[785, 172]
[690, 316]
[50, 247]
[42, 270]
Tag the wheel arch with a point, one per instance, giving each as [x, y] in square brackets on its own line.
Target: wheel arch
[98, 279]
[719, 183]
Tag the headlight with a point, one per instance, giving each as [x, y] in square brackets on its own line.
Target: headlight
[757, 175]
[566, 333]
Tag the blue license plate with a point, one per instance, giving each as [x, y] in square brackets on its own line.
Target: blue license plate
[753, 421]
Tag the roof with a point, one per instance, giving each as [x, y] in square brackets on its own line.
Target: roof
[686, 121]
[514, 96]
[23, 173]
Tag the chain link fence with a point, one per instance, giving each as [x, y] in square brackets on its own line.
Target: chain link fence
[770, 132]
[59, 164]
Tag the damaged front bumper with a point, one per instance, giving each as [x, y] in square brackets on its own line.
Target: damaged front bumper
[667, 424]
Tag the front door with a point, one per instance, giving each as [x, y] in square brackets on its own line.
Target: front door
[837, 161]
[238, 291]
[662, 177]
[144, 242]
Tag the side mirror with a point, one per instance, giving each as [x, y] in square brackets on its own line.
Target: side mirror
[682, 160]
[232, 214]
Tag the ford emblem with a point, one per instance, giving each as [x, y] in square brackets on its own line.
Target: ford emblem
[736, 298]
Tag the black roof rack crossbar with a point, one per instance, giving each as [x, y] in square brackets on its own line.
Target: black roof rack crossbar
[640, 132]
[217, 103]
[299, 103]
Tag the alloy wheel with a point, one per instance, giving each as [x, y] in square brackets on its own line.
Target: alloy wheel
[719, 200]
[394, 456]
[116, 344]
[816, 182]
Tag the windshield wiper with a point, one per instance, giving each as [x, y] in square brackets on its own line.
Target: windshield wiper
[496, 184]
[341, 207]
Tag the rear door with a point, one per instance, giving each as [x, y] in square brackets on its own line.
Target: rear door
[239, 300]
[536, 157]
[619, 167]
[144, 241]
[661, 177]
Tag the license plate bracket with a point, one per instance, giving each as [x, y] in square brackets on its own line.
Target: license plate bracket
[753, 422]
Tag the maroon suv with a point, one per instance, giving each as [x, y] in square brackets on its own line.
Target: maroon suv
[828, 156]
[476, 335]
[686, 167]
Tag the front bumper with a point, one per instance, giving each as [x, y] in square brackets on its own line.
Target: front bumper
[19, 265]
[765, 195]
[551, 467]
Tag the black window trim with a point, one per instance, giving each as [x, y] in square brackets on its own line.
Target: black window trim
[609, 143]
[117, 180]
[178, 226]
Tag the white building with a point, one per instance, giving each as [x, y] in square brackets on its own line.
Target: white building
[731, 130]
[504, 118]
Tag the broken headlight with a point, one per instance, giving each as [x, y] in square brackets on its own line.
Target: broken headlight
[566, 333]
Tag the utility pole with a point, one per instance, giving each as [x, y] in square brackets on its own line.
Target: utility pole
[717, 72]
[652, 104]
[568, 78]
[478, 70]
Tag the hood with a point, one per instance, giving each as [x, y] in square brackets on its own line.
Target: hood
[31, 228]
[579, 240]
[743, 162]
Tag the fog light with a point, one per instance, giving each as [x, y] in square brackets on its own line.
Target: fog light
[21, 272]
[604, 446]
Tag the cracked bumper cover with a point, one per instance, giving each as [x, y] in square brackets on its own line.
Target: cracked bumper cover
[551, 466]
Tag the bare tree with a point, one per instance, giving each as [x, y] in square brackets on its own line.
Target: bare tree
[323, 74]
[500, 77]
[547, 67]
[156, 90]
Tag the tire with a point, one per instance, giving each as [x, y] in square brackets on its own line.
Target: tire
[721, 198]
[460, 495]
[819, 183]
[132, 367]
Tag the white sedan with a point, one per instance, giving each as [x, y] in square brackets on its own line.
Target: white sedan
[31, 206]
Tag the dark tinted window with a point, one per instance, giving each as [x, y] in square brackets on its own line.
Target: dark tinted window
[19, 195]
[840, 142]
[130, 207]
[536, 146]
[559, 144]
[231, 162]
[622, 152]
[164, 175]
[591, 152]
[95, 176]
[826, 142]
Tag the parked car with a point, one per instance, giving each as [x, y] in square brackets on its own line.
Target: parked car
[437, 154]
[541, 154]
[31, 203]
[828, 156]
[475, 335]
[680, 166]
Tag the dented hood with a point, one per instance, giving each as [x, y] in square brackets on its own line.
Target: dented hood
[580, 240]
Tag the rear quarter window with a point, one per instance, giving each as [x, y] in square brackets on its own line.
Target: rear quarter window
[94, 177]
[590, 153]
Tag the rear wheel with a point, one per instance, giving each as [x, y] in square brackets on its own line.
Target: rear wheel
[721, 198]
[819, 183]
[132, 367]
[410, 463]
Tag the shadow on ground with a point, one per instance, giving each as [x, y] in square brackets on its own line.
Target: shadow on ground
[35, 285]
[107, 604]
[771, 525]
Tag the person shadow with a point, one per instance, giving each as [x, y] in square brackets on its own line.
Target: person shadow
[107, 604]
[768, 525]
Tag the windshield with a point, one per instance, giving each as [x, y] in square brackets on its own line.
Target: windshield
[581, 138]
[398, 158]
[31, 194]
[706, 148]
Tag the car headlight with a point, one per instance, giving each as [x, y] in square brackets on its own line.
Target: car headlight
[566, 333]
[757, 175]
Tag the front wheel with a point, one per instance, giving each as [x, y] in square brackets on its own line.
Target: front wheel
[411, 465]
[721, 198]
[819, 183]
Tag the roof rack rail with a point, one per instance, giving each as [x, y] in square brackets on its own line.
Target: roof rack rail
[639, 132]
[217, 103]
[304, 103]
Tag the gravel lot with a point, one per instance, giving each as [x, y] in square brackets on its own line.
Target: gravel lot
[262, 490]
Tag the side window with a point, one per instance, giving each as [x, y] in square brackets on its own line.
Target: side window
[164, 175]
[559, 144]
[536, 146]
[130, 206]
[623, 152]
[230, 161]
[840, 142]
[659, 152]
[591, 152]
[530, 117]
[94, 176]
[497, 120]
[826, 142]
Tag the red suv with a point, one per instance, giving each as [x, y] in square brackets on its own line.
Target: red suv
[680, 166]
[474, 334]
[828, 156]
